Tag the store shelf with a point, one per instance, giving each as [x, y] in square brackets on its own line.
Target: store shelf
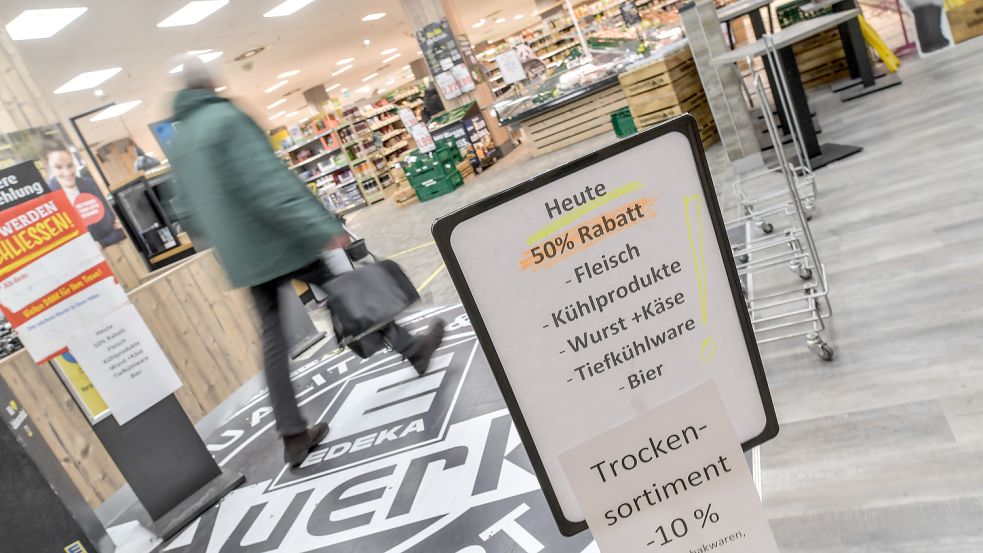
[544, 57]
[384, 123]
[393, 134]
[394, 148]
[326, 173]
[310, 140]
[380, 110]
[351, 207]
[314, 158]
[337, 186]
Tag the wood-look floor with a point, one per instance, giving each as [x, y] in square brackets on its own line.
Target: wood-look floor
[880, 450]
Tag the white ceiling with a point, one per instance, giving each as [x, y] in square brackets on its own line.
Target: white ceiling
[123, 33]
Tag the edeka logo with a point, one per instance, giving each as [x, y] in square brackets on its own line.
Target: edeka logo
[413, 465]
[384, 412]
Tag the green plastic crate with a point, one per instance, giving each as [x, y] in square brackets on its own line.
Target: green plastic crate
[439, 187]
[623, 123]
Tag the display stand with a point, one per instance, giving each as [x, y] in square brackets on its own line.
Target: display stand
[42, 510]
[167, 465]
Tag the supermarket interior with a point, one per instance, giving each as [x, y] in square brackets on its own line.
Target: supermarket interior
[834, 149]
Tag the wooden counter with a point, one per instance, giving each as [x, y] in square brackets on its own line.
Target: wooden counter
[668, 87]
[573, 122]
[208, 331]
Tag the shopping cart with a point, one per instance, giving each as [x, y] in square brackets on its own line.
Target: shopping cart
[778, 200]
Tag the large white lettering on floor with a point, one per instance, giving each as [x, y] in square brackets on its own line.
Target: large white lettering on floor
[436, 481]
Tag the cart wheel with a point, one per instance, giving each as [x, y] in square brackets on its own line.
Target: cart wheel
[819, 346]
[826, 352]
[744, 258]
[805, 273]
[766, 227]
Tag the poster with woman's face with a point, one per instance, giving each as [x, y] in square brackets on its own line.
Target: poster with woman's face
[85, 195]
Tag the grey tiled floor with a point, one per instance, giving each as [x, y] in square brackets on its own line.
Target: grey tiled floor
[881, 449]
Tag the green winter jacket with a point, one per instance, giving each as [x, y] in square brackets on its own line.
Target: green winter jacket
[262, 221]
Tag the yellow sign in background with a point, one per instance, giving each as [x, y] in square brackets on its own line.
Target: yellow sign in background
[81, 385]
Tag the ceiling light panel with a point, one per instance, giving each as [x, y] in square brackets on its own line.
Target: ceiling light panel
[388, 51]
[374, 16]
[193, 12]
[340, 71]
[345, 61]
[390, 58]
[288, 74]
[276, 86]
[287, 8]
[90, 79]
[277, 115]
[332, 87]
[36, 24]
[279, 102]
[210, 56]
[115, 111]
[368, 78]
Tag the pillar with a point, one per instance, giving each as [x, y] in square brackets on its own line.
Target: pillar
[721, 84]
[420, 13]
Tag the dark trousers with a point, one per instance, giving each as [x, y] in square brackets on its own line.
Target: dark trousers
[276, 365]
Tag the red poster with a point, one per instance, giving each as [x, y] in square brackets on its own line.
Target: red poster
[32, 229]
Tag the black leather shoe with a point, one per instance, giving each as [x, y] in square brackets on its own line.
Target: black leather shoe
[296, 447]
[426, 345]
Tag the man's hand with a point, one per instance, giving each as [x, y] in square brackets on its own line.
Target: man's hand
[342, 240]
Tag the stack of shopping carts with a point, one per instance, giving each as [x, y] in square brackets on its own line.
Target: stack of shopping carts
[784, 279]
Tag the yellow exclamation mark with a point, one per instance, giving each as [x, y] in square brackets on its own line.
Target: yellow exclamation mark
[694, 229]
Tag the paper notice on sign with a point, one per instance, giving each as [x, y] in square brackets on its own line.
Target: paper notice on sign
[448, 85]
[424, 141]
[510, 66]
[125, 362]
[671, 480]
[463, 77]
[80, 303]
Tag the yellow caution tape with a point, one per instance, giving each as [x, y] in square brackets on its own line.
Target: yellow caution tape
[877, 43]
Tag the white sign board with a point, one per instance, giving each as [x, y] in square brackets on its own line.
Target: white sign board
[673, 480]
[125, 363]
[600, 290]
[511, 67]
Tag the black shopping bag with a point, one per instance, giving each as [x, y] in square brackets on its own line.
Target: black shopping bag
[365, 300]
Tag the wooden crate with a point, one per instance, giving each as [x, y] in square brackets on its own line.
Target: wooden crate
[657, 73]
[574, 122]
[692, 104]
[684, 86]
[667, 88]
[465, 168]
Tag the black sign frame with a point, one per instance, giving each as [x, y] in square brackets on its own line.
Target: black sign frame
[443, 228]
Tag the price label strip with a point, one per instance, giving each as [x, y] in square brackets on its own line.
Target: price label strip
[602, 289]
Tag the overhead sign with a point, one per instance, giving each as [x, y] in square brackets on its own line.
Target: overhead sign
[672, 479]
[600, 290]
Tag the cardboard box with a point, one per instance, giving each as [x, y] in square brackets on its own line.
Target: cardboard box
[966, 20]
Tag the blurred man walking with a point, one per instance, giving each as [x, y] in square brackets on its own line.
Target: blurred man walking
[267, 230]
